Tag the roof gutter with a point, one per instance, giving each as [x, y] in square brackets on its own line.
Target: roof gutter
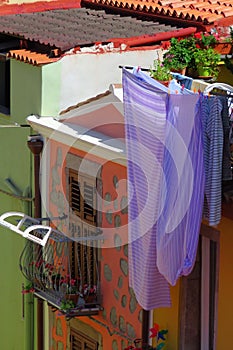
[152, 39]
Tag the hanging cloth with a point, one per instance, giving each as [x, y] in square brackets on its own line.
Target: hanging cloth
[145, 127]
[182, 190]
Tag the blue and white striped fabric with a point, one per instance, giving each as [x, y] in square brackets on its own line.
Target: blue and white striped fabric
[166, 186]
[145, 125]
[211, 109]
[183, 189]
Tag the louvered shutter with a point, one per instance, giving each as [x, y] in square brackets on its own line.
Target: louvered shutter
[89, 192]
[76, 343]
[75, 194]
[83, 257]
[80, 341]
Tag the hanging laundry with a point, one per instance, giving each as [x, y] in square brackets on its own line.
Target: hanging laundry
[182, 191]
[145, 125]
[211, 109]
[177, 174]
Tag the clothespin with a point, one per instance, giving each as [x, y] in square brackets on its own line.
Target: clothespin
[168, 91]
[194, 90]
[199, 91]
[182, 87]
[138, 69]
[176, 92]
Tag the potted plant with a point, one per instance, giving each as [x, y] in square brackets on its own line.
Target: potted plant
[89, 293]
[180, 54]
[160, 72]
[66, 305]
[70, 287]
[220, 41]
[206, 62]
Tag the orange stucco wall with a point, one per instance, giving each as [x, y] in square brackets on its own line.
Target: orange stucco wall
[120, 320]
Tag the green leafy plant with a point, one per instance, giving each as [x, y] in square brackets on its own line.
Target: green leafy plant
[209, 59]
[159, 71]
[205, 40]
[66, 305]
[180, 53]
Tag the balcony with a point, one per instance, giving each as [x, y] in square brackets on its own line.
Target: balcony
[65, 273]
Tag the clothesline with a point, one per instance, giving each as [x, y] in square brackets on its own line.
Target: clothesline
[228, 93]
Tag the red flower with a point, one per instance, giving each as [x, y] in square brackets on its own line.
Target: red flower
[197, 35]
[154, 331]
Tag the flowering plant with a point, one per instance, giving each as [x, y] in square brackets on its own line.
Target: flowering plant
[205, 40]
[28, 289]
[158, 335]
[180, 53]
[159, 71]
[70, 285]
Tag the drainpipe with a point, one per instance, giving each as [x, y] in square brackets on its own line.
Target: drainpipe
[35, 144]
[145, 326]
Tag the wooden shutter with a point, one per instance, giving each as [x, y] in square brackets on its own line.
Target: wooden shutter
[75, 194]
[80, 341]
[82, 200]
[89, 190]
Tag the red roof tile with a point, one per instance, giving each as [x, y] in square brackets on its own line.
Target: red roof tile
[11, 9]
[28, 56]
[189, 10]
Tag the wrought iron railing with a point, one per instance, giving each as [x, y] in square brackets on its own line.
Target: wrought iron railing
[64, 272]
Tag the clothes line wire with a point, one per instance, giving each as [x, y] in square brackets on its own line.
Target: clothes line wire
[132, 67]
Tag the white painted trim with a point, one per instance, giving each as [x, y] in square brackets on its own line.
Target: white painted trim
[80, 138]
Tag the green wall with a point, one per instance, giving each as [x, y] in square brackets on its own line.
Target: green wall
[25, 90]
[15, 160]
[34, 90]
[51, 81]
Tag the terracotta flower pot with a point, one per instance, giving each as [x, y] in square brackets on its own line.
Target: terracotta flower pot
[223, 48]
[72, 297]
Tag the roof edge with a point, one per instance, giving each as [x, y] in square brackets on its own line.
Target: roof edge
[38, 6]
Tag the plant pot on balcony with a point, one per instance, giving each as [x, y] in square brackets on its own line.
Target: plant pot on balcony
[204, 71]
[181, 71]
[90, 299]
[223, 48]
[164, 82]
[72, 297]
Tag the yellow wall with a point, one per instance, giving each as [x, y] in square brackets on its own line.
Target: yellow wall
[168, 318]
[225, 308]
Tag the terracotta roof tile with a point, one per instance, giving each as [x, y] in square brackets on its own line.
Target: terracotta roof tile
[227, 12]
[182, 9]
[28, 56]
[38, 6]
[181, 4]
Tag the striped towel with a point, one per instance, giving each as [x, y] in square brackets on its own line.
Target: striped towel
[145, 126]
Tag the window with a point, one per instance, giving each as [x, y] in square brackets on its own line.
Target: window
[4, 84]
[198, 299]
[84, 255]
[79, 341]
